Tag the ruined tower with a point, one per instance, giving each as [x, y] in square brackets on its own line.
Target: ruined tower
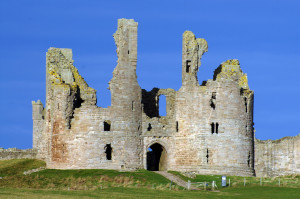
[208, 128]
[126, 93]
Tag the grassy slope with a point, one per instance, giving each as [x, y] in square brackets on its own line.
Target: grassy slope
[115, 192]
[98, 183]
[18, 166]
[92, 179]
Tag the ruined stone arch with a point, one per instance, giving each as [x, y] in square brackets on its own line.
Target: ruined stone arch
[156, 156]
[158, 141]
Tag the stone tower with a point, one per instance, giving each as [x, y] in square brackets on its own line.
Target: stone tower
[215, 118]
[126, 93]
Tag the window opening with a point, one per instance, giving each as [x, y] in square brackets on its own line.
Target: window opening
[128, 51]
[249, 155]
[246, 105]
[132, 105]
[108, 151]
[177, 128]
[149, 127]
[207, 156]
[212, 128]
[107, 125]
[213, 100]
[188, 66]
[217, 128]
[162, 103]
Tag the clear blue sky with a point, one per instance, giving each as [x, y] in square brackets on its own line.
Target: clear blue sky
[263, 35]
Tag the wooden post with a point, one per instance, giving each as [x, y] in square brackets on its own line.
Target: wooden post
[204, 185]
[244, 181]
[279, 182]
[188, 184]
[229, 182]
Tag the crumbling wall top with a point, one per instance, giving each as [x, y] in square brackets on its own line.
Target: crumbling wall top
[192, 50]
[62, 72]
[231, 69]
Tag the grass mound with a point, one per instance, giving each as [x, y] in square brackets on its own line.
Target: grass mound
[81, 179]
[18, 166]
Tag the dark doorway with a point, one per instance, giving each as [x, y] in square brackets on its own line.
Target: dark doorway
[156, 158]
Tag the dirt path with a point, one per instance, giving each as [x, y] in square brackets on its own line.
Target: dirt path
[175, 179]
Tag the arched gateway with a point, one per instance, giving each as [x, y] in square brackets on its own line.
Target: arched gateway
[156, 158]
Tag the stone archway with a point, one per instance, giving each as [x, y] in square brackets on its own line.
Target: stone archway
[156, 158]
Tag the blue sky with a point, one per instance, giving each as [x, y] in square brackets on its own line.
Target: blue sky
[263, 35]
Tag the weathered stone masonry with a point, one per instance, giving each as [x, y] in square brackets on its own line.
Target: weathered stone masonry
[208, 128]
[14, 153]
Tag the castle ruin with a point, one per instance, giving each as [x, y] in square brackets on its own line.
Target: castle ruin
[208, 128]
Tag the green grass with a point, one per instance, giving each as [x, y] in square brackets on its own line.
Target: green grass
[18, 166]
[238, 181]
[141, 175]
[12, 171]
[117, 192]
[97, 183]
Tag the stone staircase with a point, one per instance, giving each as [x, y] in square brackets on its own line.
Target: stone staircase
[177, 180]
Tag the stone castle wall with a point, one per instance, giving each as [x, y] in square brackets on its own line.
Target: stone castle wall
[186, 131]
[73, 131]
[277, 157]
[14, 153]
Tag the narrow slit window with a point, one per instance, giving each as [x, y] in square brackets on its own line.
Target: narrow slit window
[207, 156]
[212, 128]
[217, 128]
[132, 105]
[246, 104]
[108, 151]
[107, 125]
[249, 158]
[177, 127]
[213, 100]
[188, 66]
